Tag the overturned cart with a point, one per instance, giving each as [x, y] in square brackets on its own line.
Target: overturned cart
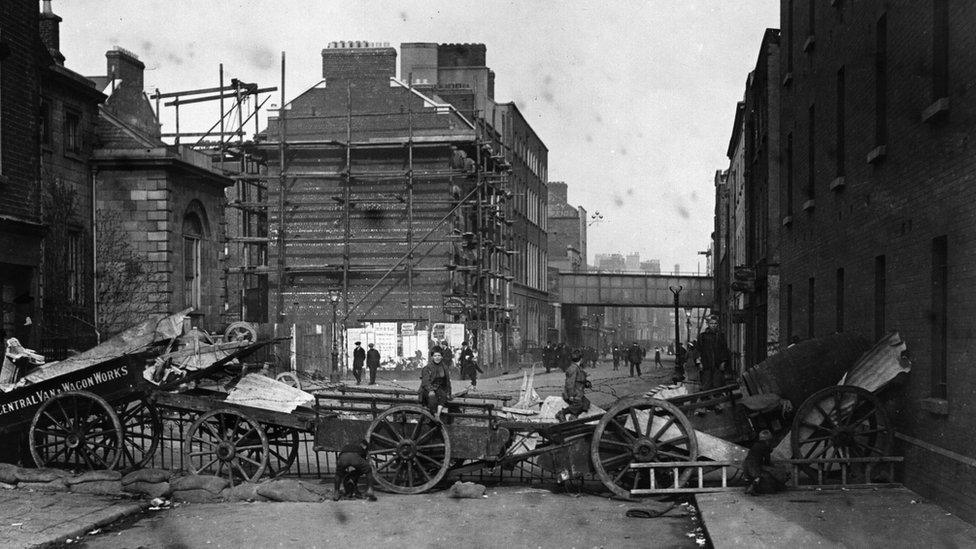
[411, 450]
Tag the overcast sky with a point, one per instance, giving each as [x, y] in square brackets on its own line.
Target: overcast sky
[634, 99]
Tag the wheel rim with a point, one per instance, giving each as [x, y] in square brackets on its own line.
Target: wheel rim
[240, 331]
[282, 449]
[142, 429]
[641, 430]
[290, 379]
[76, 430]
[840, 422]
[409, 450]
[228, 444]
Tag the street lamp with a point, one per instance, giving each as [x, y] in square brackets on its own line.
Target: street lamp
[688, 324]
[334, 297]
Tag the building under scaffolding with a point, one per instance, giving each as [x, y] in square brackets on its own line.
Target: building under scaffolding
[384, 203]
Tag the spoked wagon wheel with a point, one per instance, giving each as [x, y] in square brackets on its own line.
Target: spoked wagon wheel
[241, 331]
[410, 450]
[142, 429]
[840, 422]
[290, 379]
[76, 430]
[282, 449]
[641, 430]
[228, 444]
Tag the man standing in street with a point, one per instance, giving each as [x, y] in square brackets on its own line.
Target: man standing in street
[616, 357]
[373, 363]
[657, 357]
[574, 390]
[635, 355]
[714, 355]
[469, 367]
[358, 359]
[548, 355]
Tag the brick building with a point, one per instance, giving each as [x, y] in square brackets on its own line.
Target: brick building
[878, 148]
[160, 212]
[566, 244]
[21, 225]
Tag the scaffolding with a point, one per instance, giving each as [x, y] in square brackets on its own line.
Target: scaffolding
[304, 202]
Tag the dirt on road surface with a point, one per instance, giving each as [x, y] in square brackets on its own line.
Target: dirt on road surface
[508, 517]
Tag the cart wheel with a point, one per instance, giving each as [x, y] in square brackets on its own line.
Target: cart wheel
[842, 421]
[76, 430]
[410, 450]
[282, 449]
[142, 429]
[642, 430]
[228, 444]
[241, 331]
[290, 379]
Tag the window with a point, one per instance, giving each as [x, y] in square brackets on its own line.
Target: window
[940, 316]
[881, 81]
[811, 311]
[75, 266]
[811, 152]
[789, 314]
[841, 144]
[940, 49]
[72, 132]
[840, 300]
[789, 35]
[812, 15]
[879, 296]
[44, 122]
[789, 174]
[192, 263]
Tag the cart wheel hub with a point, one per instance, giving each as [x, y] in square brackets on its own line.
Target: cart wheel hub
[74, 440]
[843, 438]
[406, 449]
[644, 450]
[226, 451]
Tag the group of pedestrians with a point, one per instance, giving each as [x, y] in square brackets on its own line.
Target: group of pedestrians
[560, 356]
[466, 358]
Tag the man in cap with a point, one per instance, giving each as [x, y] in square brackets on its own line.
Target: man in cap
[358, 359]
[714, 355]
[373, 363]
[574, 390]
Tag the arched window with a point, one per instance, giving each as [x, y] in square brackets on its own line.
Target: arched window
[192, 260]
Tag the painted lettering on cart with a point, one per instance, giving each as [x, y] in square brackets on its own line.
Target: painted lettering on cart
[39, 396]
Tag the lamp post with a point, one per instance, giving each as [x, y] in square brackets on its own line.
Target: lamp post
[677, 316]
[688, 325]
[334, 297]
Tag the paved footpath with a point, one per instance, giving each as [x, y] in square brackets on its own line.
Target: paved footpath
[883, 517]
[29, 518]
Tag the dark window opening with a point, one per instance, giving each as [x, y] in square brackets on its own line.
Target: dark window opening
[789, 314]
[72, 132]
[879, 296]
[789, 36]
[811, 309]
[940, 316]
[940, 49]
[881, 81]
[841, 144]
[789, 174]
[840, 300]
[44, 122]
[811, 153]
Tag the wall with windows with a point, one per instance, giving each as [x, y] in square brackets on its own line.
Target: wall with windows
[878, 232]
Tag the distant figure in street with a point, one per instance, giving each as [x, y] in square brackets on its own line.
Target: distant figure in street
[373, 363]
[635, 355]
[548, 356]
[574, 390]
[435, 383]
[358, 360]
[714, 355]
[616, 354]
[562, 356]
[350, 466]
[469, 366]
[657, 357]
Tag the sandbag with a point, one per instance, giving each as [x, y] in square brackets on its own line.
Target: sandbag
[95, 476]
[196, 496]
[288, 490]
[40, 475]
[209, 483]
[462, 490]
[98, 487]
[151, 489]
[246, 491]
[56, 485]
[8, 473]
[151, 476]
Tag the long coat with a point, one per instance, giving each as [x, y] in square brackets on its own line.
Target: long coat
[372, 359]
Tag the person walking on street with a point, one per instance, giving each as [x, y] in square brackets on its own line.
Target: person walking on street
[358, 360]
[657, 357]
[615, 353]
[714, 355]
[373, 363]
[574, 390]
[635, 355]
[548, 356]
[469, 366]
[562, 356]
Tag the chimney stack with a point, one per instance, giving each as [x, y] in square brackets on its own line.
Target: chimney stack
[50, 30]
[125, 65]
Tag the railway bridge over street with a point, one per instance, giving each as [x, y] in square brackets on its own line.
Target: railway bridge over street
[634, 289]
